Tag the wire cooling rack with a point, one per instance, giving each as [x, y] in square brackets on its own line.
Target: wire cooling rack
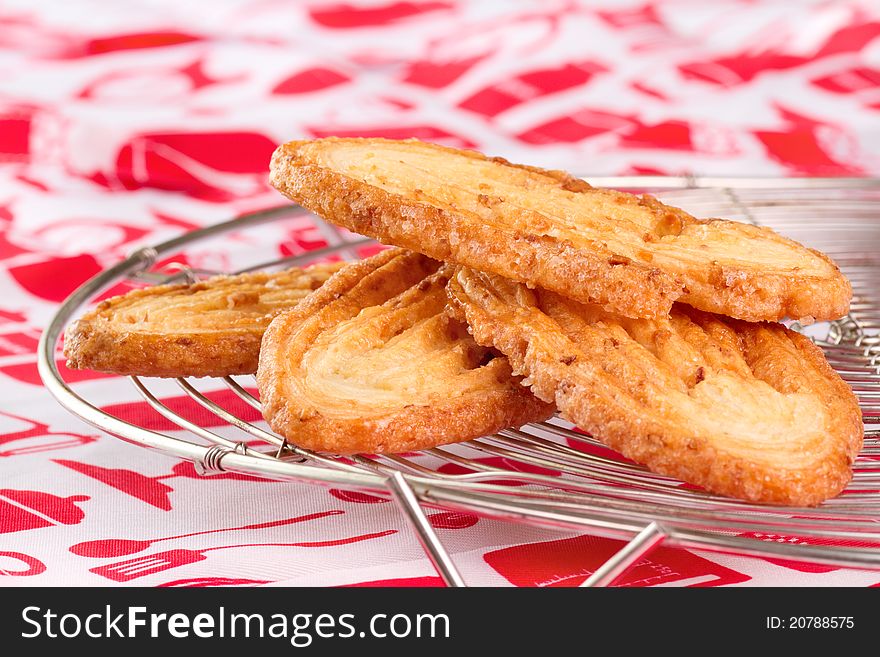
[549, 473]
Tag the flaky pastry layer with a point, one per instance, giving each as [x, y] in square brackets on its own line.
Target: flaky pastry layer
[630, 254]
[747, 410]
[372, 363]
[210, 328]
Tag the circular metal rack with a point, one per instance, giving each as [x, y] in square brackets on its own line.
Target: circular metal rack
[561, 478]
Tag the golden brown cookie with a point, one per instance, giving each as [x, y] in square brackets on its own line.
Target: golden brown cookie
[372, 363]
[630, 254]
[748, 410]
[210, 328]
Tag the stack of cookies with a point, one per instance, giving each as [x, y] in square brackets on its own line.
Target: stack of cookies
[516, 292]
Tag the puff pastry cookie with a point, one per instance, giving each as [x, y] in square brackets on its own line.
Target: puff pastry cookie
[210, 328]
[748, 410]
[372, 363]
[633, 255]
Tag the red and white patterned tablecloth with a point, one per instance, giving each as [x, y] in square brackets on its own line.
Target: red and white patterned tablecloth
[122, 124]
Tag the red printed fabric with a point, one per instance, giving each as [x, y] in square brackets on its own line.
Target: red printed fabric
[124, 124]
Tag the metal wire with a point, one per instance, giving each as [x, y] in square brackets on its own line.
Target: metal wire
[405, 497]
[645, 541]
[549, 473]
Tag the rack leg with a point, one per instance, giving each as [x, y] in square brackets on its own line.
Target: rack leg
[408, 502]
[645, 541]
